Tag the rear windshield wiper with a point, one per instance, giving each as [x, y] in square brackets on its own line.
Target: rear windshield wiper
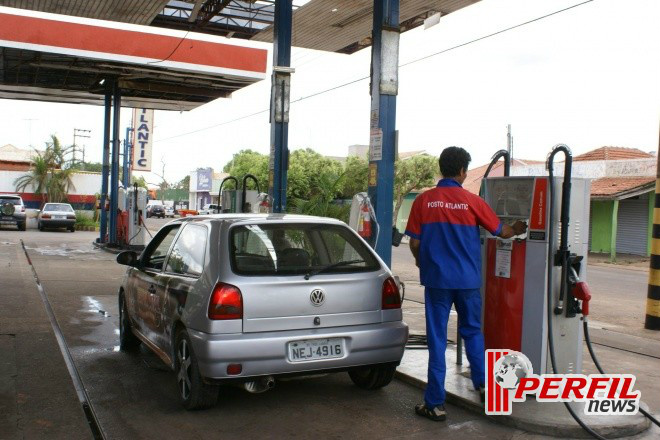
[331, 266]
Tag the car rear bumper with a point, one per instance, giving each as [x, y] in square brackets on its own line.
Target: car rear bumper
[57, 223]
[267, 354]
[12, 219]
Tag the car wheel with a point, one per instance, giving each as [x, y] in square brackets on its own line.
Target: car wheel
[40, 227]
[21, 226]
[127, 339]
[193, 392]
[372, 378]
[72, 228]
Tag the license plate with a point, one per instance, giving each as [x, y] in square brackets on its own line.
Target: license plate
[59, 217]
[315, 349]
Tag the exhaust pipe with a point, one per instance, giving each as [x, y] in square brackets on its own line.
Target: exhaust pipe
[260, 385]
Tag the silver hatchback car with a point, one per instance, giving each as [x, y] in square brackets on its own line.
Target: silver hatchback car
[246, 298]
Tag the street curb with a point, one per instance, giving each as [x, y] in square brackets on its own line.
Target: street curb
[107, 249]
[549, 429]
[620, 266]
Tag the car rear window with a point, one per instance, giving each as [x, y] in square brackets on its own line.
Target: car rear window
[58, 207]
[298, 249]
[12, 200]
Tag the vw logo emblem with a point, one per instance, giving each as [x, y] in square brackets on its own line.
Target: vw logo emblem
[317, 297]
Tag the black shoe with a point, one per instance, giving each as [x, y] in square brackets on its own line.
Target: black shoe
[437, 414]
[482, 394]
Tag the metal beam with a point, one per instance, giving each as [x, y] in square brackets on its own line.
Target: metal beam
[105, 172]
[126, 175]
[279, 105]
[114, 176]
[384, 88]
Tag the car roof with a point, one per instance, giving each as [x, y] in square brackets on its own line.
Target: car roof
[248, 217]
[10, 196]
[58, 203]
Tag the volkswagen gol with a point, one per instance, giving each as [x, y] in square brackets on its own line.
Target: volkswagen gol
[247, 298]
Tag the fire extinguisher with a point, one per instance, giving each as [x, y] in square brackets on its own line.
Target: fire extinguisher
[364, 221]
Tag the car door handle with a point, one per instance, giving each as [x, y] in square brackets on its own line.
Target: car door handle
[152, 289]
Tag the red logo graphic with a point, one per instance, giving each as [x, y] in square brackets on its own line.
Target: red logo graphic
[510, 378]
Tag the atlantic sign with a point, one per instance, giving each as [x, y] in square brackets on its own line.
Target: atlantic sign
[143, 132]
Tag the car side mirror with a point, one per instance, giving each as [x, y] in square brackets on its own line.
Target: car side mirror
[128, 258]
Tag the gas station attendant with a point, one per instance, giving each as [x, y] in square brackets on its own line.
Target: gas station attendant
[444, 239]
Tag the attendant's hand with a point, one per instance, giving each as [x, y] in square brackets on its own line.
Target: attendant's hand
[519, 227]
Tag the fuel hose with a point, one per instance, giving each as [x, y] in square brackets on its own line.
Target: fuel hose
[562, 246]
[587, 339]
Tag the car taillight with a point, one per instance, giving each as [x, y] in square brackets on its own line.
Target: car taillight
[391, 297]
[226, 302]
[22, 208]
[45, 215]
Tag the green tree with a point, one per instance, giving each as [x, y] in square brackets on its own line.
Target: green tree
[321, 201]
[140, 181]
[94, 167]
[48, 175]
[416, 172]
[249, 162]
[357, 176]
[306, 171]
[37, 177]
[184, 184]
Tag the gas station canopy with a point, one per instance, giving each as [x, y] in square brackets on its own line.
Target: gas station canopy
[49, 57]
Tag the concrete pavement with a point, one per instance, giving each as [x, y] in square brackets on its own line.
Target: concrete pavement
[37, 396]
[134, 395]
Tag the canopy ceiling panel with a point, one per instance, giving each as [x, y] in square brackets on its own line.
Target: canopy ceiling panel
[40, 51]
[345, 25]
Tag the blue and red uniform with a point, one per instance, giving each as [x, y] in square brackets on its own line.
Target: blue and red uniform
[446, 221]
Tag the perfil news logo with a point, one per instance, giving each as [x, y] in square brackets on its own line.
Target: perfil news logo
[510, 378]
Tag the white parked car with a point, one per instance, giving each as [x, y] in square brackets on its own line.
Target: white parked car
[210, 208]
[57, 215]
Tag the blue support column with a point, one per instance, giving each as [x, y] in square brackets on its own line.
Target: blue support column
[279, 105]
[384, 88]
[126, 174]
[114, 177]
[105, 172]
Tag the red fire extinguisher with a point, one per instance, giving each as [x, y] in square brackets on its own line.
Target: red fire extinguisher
[364, 221]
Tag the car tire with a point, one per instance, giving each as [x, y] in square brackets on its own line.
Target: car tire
[193, 392]
[72, 228]
[21, 226]
[40, 227]
[127, 339]
[372, 378]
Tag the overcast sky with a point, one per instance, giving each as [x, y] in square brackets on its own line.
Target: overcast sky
[587, 77]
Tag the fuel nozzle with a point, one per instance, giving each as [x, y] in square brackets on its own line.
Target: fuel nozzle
[582, 292]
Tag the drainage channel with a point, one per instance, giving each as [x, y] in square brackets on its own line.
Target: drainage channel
[83, 398]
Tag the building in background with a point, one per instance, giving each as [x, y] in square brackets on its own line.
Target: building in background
[204, 187]
[15, 162]
[622, 196]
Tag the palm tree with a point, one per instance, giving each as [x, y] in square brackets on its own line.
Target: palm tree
[48, 175]
[321, 202]
[59, 185]
[38, 177]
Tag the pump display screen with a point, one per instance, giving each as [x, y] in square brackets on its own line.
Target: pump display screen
[511, 197]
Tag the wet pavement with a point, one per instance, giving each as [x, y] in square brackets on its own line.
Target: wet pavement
[134, 395]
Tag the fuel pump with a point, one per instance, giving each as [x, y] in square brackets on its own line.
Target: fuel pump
[522, 275]
[239, 200]
[136, 206]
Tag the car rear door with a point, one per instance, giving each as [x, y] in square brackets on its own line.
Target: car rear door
[272, 262]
